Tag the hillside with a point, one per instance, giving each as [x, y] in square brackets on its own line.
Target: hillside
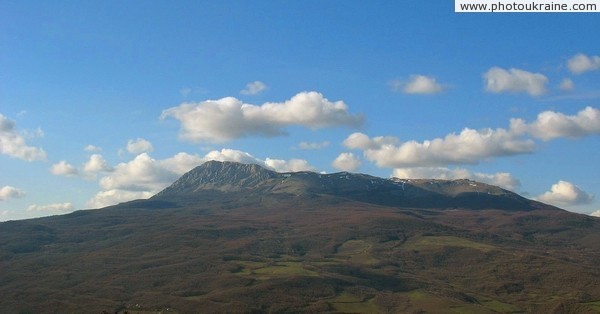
[229, 237]
[253, 180]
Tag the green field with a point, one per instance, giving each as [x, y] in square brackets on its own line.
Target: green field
[446, 241]
[268, 270]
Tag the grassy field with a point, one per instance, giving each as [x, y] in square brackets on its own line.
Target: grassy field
[348, 303]
[269, 270]
[427, 242]
[593, 305]
[357, 251]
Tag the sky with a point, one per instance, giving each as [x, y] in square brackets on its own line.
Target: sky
[103, 102]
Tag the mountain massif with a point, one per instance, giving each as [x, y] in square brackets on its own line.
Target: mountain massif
[231, 237]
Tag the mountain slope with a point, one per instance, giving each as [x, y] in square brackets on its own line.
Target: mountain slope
[228, 237]
[254, 180]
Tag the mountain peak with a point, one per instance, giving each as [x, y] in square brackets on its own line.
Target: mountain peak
[220, 175]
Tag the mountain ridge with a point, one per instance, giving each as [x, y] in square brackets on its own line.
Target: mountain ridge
[252, 179]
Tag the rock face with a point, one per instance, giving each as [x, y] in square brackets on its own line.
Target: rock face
[250, 179]
[215, 175]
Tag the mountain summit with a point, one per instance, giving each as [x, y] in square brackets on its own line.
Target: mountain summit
[247, 180]
[225, 176]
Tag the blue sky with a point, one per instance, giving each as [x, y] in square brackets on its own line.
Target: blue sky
[107, 101]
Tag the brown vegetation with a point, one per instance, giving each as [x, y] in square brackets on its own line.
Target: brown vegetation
[239, 252]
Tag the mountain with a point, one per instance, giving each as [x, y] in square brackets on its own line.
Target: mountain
[254, 180]
[230, 237]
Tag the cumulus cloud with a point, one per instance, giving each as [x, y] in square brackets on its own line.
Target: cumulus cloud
[473, 146]
[139, 146]
[143, 173]
[502, 179]
[346, 162]
[113, 197]
[89, 170]
[581, 63]
[254, 88]
[468, 147]
[567, 84]
[13, 144]
[417, 84]
[313, 145]
[292, 165]
[63, 168]
[145, 176]
[362, 141]
[8, 192]
[565, 193]
[141, 177]
[596, 213]
[498, 80]
[550, 124]
[181, 163]
[227, 154]
[96, 164]
[228, 118]
[56, 207]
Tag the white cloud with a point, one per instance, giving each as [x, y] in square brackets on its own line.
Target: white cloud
[13, 144]
[417, 84]
[7, 192]
[278, 165]
[551, 124]
[228, 118]
[565, 193]
[139, 178]
[145, 176]
[362, 141]
[181, 163]
[596, 213]
[63, 168]
[498, 80]
[313, 145]
[232, 155]
[346, 162]
[502, 179]
[292, 165]
[473, 146]
[254, 88]
[468, 147]
[57, 207]
[92, 148]
[96, 164]
[143, 173]
[581, 63]
[567, 84]
[113, 197]
[139, 146]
